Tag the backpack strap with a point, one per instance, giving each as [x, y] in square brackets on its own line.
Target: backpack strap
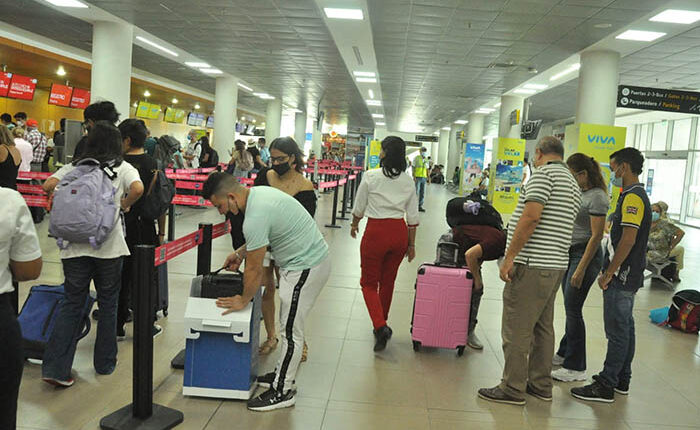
[153, 182]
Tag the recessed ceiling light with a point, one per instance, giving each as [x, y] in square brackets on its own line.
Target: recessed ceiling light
[570, 69]
[677, 16]
[245, 87]
[174, 101]
[524, 91]
[197, 106]
[367, 80]
[242, 118]
[61, 71]
[197, 65]
[447, 128]
[67, 3]
[373, 102]
[157, 46]
[377, 115]
[640, 35]
[211, 71]
[535, 86]
[485, 110]
[365, 74]
[371, 93]
[461, 121]
[603, 25]
[254, 121]
[264, 96]
[337, 13]
[147, 93]
[380, 123]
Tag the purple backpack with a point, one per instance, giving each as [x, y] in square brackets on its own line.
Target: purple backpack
[83, 205]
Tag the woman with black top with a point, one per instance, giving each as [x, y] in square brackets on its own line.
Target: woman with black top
[139, 231]
[287, 162]
[10, 159]
[207, 159]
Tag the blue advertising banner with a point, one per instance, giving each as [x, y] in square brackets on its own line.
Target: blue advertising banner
[473, 165]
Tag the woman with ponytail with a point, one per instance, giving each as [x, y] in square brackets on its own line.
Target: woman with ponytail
[585, 262]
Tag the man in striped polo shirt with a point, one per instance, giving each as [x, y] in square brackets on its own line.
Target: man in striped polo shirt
[539, 236]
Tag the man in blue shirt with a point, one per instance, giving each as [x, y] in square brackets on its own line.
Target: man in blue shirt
[264, 152]
[275, 220]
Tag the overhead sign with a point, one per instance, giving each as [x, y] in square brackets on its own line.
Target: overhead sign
[424, 138]
[515, 117]
[22, 87]
[5, 79]
[60, 95]
[658, 99]
[80, 98]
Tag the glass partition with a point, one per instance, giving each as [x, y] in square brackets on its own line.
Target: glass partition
[681, 135]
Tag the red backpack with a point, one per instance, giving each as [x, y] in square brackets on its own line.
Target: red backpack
[684, 313]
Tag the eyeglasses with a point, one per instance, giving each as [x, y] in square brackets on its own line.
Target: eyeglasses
[279, 160]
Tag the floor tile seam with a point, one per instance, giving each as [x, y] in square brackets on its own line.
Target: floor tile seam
[335, 374]
[221, 403]
[661, 376]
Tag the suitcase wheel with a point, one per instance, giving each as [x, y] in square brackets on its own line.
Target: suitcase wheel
[460, 351]
[165, 312]
[416, 345]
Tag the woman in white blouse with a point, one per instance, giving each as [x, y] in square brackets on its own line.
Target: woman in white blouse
[385, 196]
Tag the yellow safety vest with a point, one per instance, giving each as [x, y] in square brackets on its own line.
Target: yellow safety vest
[419, 170]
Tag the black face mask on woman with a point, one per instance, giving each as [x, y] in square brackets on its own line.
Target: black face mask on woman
[281, 169]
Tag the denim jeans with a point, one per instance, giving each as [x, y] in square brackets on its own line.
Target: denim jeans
[420, 189]
[573, 345]
[619, 330]
[60, 350]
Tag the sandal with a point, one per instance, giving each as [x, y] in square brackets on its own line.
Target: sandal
[268, 346]
[304, 352]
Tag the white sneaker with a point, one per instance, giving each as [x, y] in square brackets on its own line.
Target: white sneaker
[568, 375]
[557, 360]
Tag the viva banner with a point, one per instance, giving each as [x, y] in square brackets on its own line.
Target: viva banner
[472, 167]
[599, 142]
[507, 174]
[375, 147]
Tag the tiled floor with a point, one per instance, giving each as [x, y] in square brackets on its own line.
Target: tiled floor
[344, 385]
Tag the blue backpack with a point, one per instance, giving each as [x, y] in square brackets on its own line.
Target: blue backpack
[38, 318]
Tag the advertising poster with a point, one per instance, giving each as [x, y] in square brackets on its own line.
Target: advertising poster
[80, 98]
[507, 174]
[375, 147]
[472, 167]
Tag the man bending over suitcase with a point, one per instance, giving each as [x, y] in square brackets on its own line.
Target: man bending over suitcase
[276, 220]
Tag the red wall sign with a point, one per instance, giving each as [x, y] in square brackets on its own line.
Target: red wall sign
[60, 95]
[22, 87]
[5, 79]
[80, 99]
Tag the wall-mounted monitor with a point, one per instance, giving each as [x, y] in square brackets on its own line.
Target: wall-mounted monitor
[239, 127]
[143, 110]
[5, 79]
[80, 98]
[210, 121]
[60, 95]
[22, 87]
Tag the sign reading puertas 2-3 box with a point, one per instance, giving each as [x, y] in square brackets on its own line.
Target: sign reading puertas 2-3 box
[658, 99]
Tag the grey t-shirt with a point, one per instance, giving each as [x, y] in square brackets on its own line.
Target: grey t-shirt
[594, 202]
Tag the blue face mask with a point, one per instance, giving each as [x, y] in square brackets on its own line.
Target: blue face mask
[655, 216]
[615, 180]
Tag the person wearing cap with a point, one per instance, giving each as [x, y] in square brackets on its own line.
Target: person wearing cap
[38, 142]
[258, 163]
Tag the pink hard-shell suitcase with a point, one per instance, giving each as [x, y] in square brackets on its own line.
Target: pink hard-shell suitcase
[441, 307]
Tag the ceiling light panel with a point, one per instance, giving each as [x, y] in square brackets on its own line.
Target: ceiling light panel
[524, 91]
[157, 46]
[377, 115]
[535, 86]
[245, 87]
[371, 93]
[67, 3]
[211, 71]
[380, 123]
[373, 102]
[461, 121]
[571, 69]
[338, 13]
[640, 35]
[365, 74]
[677, 16]
[367, 80]
[197, 65]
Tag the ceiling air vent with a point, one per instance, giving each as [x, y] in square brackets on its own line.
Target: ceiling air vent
[511, 64]
[356, 50]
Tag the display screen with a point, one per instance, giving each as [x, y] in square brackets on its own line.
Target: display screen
[5, 79]
[195, 119]
[80, 98]
[180, 116]
[239, 127]
[210, 122]
[249, 129]
[60, 95]
[154, 112]
[22, 87]
[143, 110]
[169, 115]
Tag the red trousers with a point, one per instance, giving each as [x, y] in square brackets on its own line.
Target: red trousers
[383, 247]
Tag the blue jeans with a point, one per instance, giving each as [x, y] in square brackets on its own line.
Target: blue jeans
[619, 329]
[60, 350]
[573, 345]
[420, 190]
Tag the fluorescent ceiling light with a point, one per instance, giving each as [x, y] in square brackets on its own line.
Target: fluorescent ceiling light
[535, 86]
[640, 36]
[571, 69]
[245, 87]
[377, 115]
[197, 65]
[447, 128]
[461, 121]
[371, 93]
[367, 80]
[380, 123]
[373, 102]
[677, 16]
[524, 91]
[157, 46]
[67, 3]
[211, 71]
[485, 110]
[337, 13]
[497, 105]
[61, 71]
[365, 74]
[197, 106]
[264, 96]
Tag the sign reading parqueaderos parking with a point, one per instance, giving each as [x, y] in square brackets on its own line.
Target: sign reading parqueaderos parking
[658, 99]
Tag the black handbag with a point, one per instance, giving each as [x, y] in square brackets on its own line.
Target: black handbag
[215, 285]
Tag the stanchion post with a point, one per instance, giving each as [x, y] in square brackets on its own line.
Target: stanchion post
[353, 187]
[171, 223]
[335, 209]
[343, 209]
[142, 413]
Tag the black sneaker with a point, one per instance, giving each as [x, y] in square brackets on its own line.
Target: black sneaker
[130, 316]
[157, 330]
[266, 380]
[121, 334]
[271, 400]
[382, 334]
[595, 392]
[420, 209]
[623, 387]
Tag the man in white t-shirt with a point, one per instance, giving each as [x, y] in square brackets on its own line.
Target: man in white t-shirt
[20, 257]
[25, 149]
[193, 151]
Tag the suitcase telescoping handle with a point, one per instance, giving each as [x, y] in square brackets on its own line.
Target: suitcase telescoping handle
[222, 268]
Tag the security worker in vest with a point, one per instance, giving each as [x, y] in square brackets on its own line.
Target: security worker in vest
[420, 176]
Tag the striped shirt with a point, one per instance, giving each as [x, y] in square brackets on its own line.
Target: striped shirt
[553, 186]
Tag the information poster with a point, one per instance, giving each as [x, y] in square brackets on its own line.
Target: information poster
[375, 147]
[507, 174]
[472, 167]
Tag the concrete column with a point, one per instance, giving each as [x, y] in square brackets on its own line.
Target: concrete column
[225, 105]
[273, 120]
[508, 105]
[111, 64]
[300, 129]
[443, 146]
[597, 87]
[454, 150]
[316, 141]
[475, 128]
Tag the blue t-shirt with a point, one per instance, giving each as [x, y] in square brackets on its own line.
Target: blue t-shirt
[275, 219]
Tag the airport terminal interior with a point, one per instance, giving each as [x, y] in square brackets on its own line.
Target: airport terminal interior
[470, 86]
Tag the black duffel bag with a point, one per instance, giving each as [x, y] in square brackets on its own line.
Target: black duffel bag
[487, 214]
[215, 285]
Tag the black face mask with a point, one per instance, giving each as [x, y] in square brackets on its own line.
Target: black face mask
[281, 169]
